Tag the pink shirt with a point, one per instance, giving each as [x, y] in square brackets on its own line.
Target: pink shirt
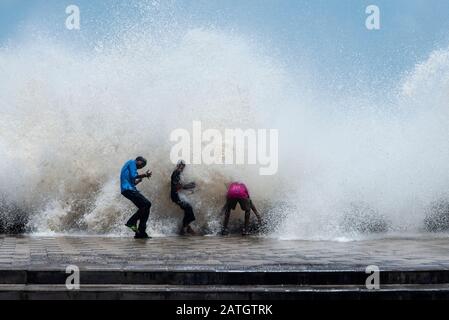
[237, 191]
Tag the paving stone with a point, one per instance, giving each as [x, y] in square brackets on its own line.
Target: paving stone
[221, 252]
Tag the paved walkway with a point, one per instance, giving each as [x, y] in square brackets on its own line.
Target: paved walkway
[220, 253]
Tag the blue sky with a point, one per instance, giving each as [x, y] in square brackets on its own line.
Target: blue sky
[331, 34]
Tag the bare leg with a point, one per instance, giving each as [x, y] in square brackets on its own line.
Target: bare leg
[253, 207]
[247, 216]
[226, 219]
[227, 213]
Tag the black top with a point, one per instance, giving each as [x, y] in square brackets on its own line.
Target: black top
[175, 182]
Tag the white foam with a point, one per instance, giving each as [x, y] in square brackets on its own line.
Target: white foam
[71, 118]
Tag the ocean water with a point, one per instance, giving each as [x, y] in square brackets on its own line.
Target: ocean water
[350, 169]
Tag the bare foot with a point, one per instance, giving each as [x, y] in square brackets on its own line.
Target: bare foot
[191, 231]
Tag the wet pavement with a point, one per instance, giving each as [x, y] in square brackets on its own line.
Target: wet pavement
[220, 253]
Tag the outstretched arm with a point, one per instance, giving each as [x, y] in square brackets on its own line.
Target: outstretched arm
[135, 175]
[144, 175]
[189, 186]
[140, 177]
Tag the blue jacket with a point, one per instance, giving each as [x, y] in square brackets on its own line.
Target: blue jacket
[128, 176]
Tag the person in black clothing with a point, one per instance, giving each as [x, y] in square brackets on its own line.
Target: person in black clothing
[177, 186]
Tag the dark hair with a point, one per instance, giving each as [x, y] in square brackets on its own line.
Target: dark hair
[142, 159]
[181, 163]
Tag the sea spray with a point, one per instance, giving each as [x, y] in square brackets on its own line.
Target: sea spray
[73, 113]
[71, 120]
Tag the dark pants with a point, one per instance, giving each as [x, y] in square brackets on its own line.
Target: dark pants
[142, 214]
[245, 204]
[184, 205]
[231, 204]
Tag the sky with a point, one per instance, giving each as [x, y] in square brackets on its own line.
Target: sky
[329, 34]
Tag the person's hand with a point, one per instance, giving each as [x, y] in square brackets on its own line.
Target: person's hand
[149, 174]
[189, 186]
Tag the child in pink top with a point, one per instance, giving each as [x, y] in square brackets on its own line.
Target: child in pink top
[238, 193]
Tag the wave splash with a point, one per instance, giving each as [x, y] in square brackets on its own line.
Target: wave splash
[69, 120]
